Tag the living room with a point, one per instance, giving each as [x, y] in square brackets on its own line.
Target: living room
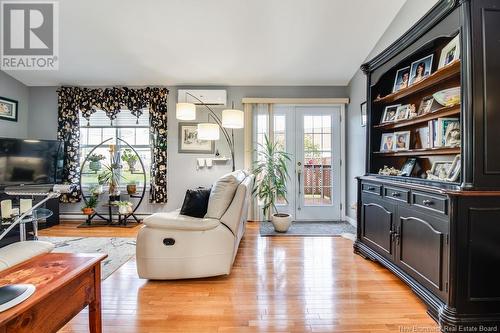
[264, 166]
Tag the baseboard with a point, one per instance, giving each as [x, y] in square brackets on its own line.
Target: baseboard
[352, 221]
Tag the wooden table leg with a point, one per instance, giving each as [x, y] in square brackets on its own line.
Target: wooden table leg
[95, 320]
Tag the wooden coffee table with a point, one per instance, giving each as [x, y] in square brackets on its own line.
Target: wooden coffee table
[65, 284]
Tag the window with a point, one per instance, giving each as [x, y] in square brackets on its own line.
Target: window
[133, 130]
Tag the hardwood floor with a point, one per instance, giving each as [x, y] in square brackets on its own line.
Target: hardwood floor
[278, 284]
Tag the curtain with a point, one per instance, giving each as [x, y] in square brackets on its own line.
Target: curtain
[73, 100]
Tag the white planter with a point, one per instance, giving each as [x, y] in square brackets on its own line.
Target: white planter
[281, 222]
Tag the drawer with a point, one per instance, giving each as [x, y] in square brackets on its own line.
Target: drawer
[397, 194]
[371, 188]
[433, 203]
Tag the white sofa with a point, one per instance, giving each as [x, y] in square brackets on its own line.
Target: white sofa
[174, 246]
[16, 253]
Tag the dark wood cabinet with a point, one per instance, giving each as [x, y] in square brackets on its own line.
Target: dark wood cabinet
[440, 236]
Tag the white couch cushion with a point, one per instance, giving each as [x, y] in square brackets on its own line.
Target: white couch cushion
[16, 253]
[222, 194]
[175, 221]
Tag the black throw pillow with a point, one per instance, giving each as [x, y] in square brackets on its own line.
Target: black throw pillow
[196, 202]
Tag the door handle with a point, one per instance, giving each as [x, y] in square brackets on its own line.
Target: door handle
[299, 172]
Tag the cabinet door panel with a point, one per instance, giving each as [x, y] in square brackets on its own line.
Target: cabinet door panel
[421, 248]
[377, 219]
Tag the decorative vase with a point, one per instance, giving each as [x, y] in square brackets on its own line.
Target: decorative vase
[131, 188]
[124, 210]
[281, 222]
[95, 166]
[114, 196]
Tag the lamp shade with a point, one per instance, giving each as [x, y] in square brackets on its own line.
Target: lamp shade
[232, 118]
[185, 111]
[208, 131]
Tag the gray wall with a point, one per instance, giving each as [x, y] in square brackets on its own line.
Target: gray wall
[13, 89]
[409, 14]
[182, 172]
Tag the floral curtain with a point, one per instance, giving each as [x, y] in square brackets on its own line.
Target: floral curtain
[72, 100]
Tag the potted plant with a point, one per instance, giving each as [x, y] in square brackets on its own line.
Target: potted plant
[271, 174]
[111, 176]
[89, 207]
[124, 207]
[96, 189]
[95, 162]
[130, 158]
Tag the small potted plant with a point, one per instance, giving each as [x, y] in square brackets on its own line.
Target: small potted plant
[124, 207]
[95, 162]
[271, 174]
[89, 207]
[130, 158]
[96, 190]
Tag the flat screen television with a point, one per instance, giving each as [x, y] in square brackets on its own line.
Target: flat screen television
[29, 162]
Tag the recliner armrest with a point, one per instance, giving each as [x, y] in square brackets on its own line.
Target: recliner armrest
[176, 221]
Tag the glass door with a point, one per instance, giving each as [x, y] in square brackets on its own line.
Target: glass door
[317, 160]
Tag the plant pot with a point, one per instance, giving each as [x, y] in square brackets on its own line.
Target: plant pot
[95, 166]
[88, 211]
[131, 189]
[114, 197]
[281, 222]
[124, 210]
[131, 165]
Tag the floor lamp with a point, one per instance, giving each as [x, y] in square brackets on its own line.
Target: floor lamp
[231, 119]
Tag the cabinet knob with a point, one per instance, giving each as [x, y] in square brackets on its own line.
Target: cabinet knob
[428, 202]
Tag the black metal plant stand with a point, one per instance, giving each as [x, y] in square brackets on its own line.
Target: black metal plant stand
[110, 216]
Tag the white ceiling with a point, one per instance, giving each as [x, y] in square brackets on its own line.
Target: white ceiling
[214, 42]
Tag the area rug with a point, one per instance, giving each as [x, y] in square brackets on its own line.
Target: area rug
[333, 228]
[119, 250]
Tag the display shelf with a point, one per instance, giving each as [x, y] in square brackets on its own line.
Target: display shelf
[420, 152]
[436, 78]
[439, 113]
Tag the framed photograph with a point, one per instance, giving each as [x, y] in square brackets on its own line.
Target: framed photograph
[8, 109]
[363, 114]
[402, 79]
[426, 105]
[421, 69]
[448, 132]
[450, 52]
[189, 142]
[403, 112]
[454, 171]
[408, 167]
[402, 140]
[389, 114]
[439, 170]
[387, 142]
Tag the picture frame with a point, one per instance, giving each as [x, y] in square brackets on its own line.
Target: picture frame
[455, 169]
[440, 170]
[402, 140]
[421, 69]
[363, 114]
[402, 79]
[403, 112]
[450, 52]
[407, 168]
[425, 105]
[189, 143]
[448, 132]
[387, 143]
[8, 109]
[389, 114]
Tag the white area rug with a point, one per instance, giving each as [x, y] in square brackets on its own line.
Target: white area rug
[119, 250]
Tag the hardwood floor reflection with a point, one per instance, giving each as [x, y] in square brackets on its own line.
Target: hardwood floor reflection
[278, 284]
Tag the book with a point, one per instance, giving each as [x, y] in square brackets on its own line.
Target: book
[423, 135]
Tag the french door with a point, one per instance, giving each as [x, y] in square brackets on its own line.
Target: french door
[312, 136]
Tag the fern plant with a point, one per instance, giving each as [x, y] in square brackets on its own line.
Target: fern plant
[271, 174]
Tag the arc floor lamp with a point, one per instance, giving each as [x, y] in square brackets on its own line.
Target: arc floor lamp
[231, 119]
